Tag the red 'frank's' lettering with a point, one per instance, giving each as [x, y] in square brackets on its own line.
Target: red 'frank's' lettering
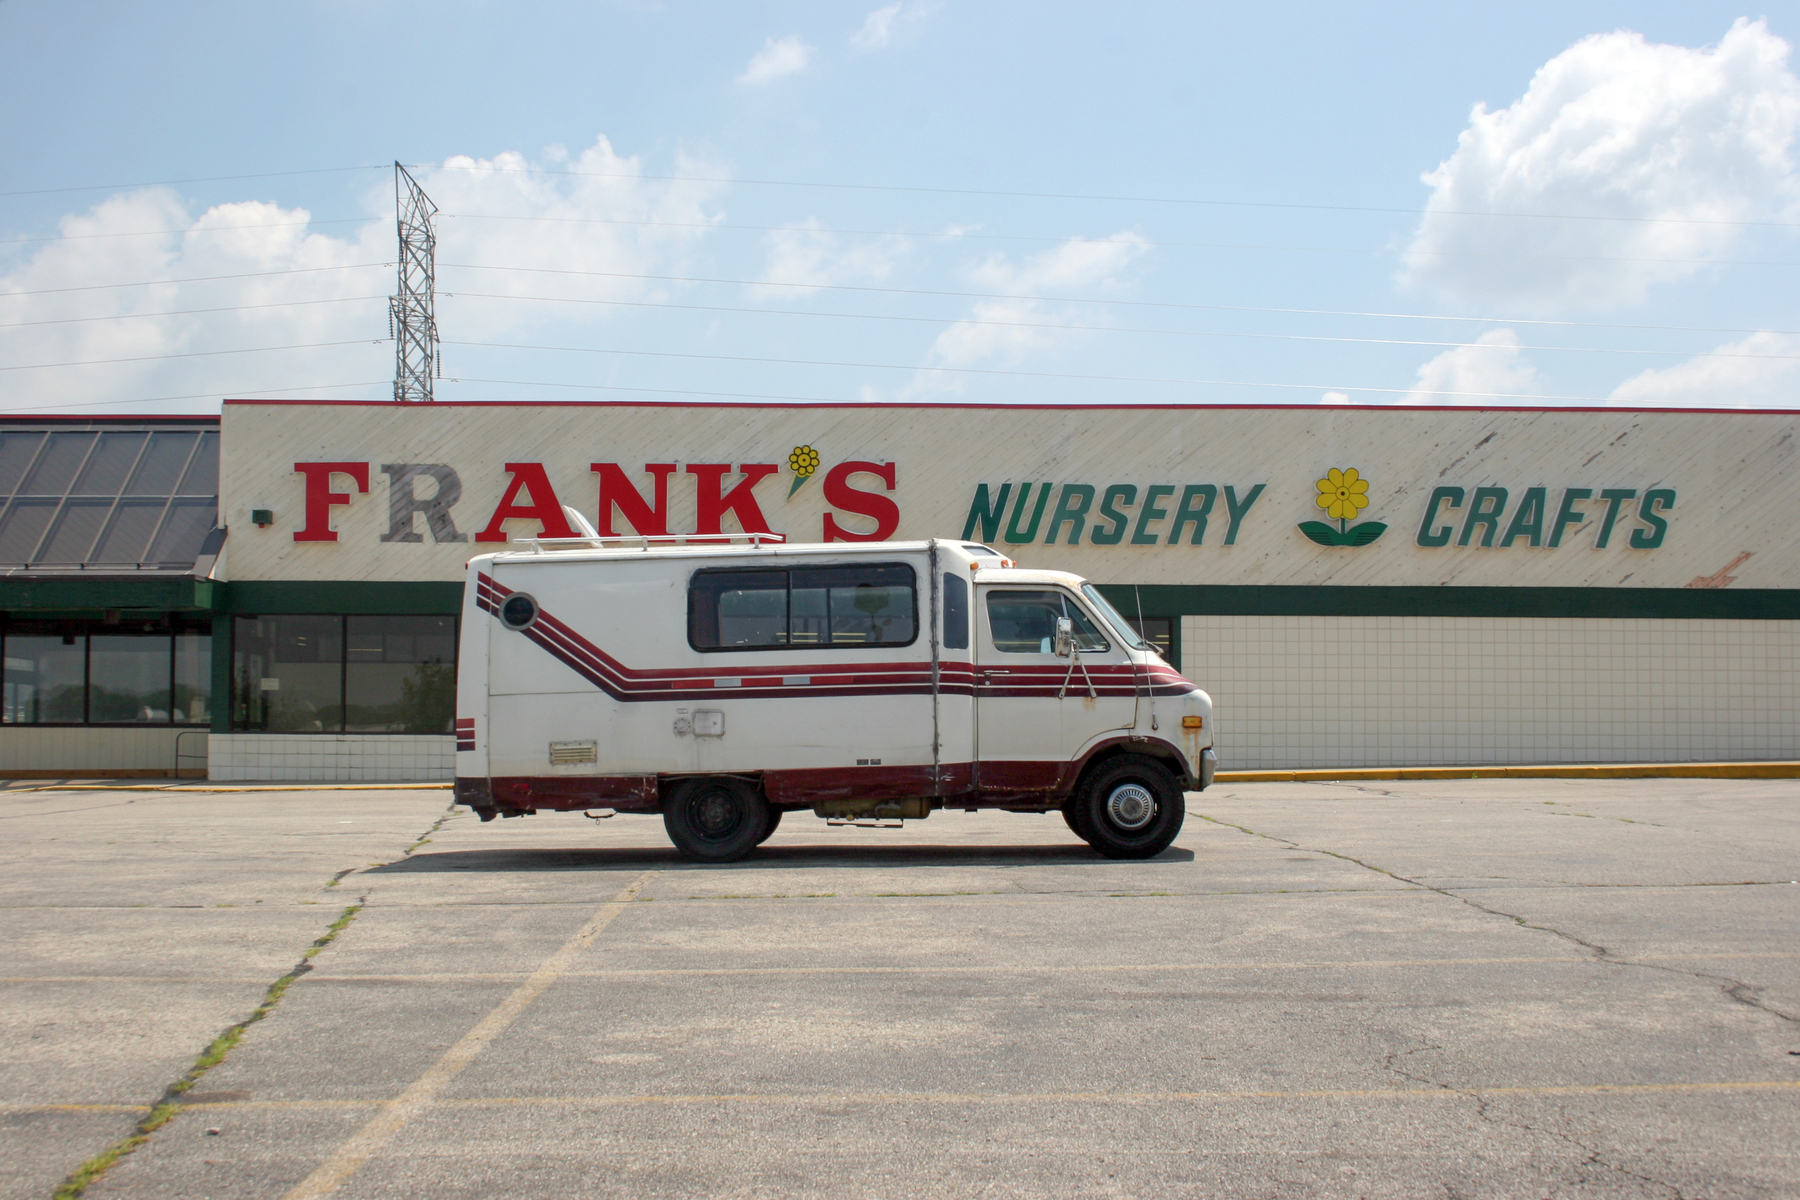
[839, 494]
[712, 506]
[544, 508]
[320, 497]
[616, 488]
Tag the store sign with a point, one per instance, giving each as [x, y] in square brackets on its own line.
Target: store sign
[1228, 496]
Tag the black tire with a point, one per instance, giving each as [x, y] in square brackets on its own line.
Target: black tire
[1071, 814]
[1131, 807]
[769, 829]
[715, 820]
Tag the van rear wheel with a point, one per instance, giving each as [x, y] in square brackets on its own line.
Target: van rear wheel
[769, 829]
[1131, 807]
[715, 820]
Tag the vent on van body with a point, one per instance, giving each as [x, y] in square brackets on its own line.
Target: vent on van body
[574, 752]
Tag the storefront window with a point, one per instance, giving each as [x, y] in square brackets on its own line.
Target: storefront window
[400, 674]
[128, 678]
[335, 674]
[101, 673]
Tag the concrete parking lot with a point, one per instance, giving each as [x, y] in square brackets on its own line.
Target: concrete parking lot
[1471, 988]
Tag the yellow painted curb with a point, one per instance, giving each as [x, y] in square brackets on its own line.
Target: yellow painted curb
[1690, 770]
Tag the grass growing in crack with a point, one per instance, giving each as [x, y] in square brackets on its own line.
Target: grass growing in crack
[170, 1104]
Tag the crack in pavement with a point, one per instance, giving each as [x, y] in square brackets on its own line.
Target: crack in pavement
[1736, 990]
[169, 1105]
[1484, 1113]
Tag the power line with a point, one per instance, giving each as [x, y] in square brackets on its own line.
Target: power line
[101, 362]
[614, 387]
[104, 187]
[75, 237]
[320, 387]
[1317, 312]
[186, 312]
[98, 287]
[1384, 251]
[979, 321]
[1173, 200]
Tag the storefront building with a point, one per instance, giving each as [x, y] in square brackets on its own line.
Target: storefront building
[1355, 586]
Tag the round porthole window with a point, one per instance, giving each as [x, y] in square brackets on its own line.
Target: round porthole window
[519, 611]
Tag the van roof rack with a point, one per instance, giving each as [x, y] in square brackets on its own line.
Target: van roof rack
[644, 541]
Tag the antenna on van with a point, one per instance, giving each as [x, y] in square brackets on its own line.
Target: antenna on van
[1138, 594]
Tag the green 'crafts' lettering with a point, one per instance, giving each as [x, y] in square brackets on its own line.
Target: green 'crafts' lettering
[1528, 522]
[1613, 497]
[1650, 539]
[1481, 514]
[1568, 515]
[1453, 496]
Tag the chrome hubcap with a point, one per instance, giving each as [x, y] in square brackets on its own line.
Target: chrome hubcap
[1131, 806]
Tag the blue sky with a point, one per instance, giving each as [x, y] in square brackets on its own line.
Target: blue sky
[935, 201]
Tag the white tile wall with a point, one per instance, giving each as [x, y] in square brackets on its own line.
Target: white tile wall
[1417, 691]
[340, 758]
[99, 750]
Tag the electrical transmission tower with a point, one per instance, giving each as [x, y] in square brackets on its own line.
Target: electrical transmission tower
[411, 320]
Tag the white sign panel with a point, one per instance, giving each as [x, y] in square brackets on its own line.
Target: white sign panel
[1290, 495]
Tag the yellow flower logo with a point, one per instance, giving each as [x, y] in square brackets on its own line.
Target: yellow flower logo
[1341, 493]
[802, 461]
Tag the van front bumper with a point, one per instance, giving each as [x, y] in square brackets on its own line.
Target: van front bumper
[1209, 762]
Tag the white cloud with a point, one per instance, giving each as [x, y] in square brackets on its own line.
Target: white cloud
[806, 256]
[1661, 139]
[777, 58]
[884, 25]
[1493, 369]
[1334, 398]
[1762, 369]
[271, 280]
[1005, 331]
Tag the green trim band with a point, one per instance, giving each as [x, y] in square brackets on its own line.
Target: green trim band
[356, 597]
[1281, 600]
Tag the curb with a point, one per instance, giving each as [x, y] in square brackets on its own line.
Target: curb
[1706, 770]
[247, 787]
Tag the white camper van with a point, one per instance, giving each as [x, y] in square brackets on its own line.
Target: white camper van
[725, 685]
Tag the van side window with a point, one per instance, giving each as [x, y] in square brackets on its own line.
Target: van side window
[956, 612]
[1025, 622]
[861, 605]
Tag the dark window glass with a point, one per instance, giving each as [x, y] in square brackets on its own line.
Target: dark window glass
[188, 523]
[75, 531]
[400, 674]
[109, 464]
[57, 465]
[193, 676]
[128, 676]
[1158, 631]
[46, 673]
[126, 539]
[730, 610]
[956, 612]
[16, 451]
[288, 674]
[1025, 622]
[862, 605]
[161, 467]
[23, 527]
[202, 478]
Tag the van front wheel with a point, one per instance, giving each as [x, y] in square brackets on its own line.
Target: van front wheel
[1131, 807]
[715, 820]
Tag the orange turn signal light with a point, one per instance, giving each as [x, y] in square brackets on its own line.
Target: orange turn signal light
[1192, 722]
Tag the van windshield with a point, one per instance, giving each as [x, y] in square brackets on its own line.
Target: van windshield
[1111, 616]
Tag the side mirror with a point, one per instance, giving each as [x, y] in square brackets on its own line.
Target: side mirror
[1064, 642]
